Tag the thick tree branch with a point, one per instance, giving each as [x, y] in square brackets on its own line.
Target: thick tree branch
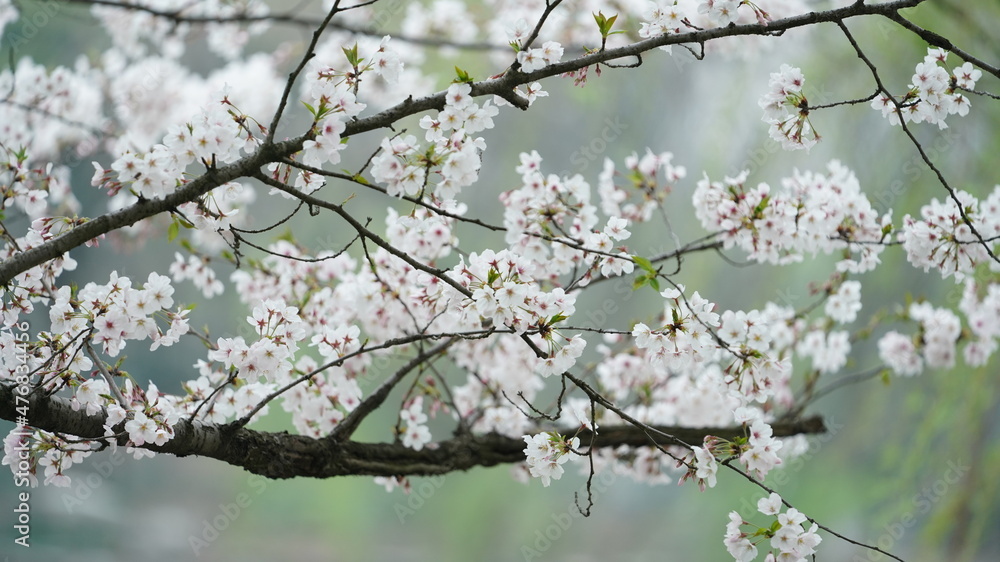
[283, 455]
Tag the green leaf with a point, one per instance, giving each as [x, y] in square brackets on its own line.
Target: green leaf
[604, 23]
[759, 209]
[173, 230]
[646, 279]
[644, 264]
[461, 77]
[352, 55]
[492, 276]
[557, 318]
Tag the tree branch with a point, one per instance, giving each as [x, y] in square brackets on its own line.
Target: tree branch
[145, 208]
[283, 455]
[290, 18]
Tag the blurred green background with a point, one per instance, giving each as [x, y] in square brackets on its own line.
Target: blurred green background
[926, 448]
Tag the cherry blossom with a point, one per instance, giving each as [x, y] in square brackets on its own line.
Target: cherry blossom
[479, 331]
[932, 95]
[546, 453]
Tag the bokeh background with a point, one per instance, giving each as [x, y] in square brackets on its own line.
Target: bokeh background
[926, 448]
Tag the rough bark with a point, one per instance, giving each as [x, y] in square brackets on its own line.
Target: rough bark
[284, 455]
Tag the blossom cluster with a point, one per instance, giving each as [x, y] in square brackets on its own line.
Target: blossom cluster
[761, 453]
[332, 97]
[502, 293]
[115, 312]
[758, 452]
[942, 238]
[34, 95]
[403, 165]
[559, 210]
[786, 109]
[648, 180]
[660, 17]
[531, 60]
[983, 316]
[933, 94]
[423, 234]
[218, 136]
[196, 269]
[146, 417]
[546, 453]
[45, 450]
[138, 32]
[789, 540]
[35, 282]
[279, 328]
[109, 315]
[844, 304]
[415, 434]
[811, 213]
[684, 341]
[940, 329]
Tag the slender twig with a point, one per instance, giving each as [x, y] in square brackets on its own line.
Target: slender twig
[309, 54]
[766, 488]
[394, 342]
[920, 149]
[346, 427]
[112, 386]
[942, 42]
